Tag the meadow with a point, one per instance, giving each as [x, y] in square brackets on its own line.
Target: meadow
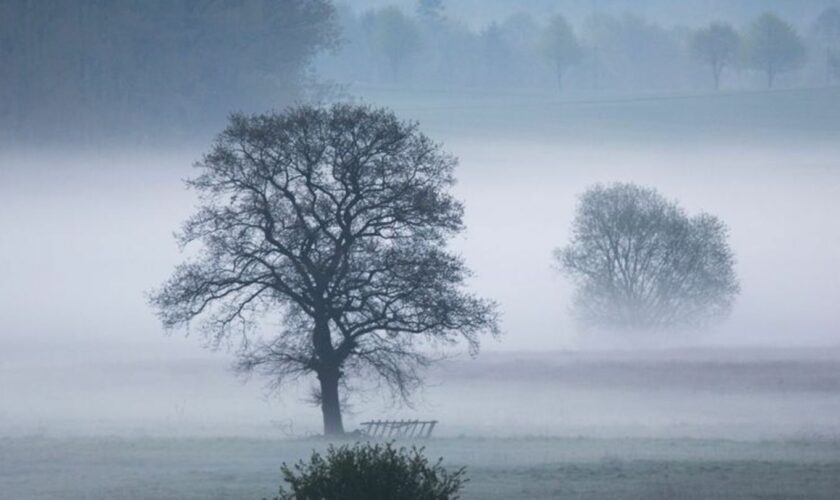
[742, 424]
[534, 468]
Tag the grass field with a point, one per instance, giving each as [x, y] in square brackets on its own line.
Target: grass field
[638, 119]
[714, 424]
[533, 468]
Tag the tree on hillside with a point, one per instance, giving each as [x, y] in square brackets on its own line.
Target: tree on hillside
[827, 29]
[641, 263]
[716, 45]
[632, 52]
[395, 36]
[772, 46]
[336, 219]
[560, 46]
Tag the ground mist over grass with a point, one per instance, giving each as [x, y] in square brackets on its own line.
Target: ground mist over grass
[117, 469]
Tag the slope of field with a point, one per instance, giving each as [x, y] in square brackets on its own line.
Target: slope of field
[630, 119]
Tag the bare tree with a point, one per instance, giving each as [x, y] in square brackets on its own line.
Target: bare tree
[641, 263]
[716, 45]
[773, 46]
[560, 46]
[336, 218]
[395, 36]
[827, 29]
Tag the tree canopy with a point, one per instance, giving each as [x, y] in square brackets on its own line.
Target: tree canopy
[336, 219]
[773, 46]
[395, 36]
[560, 46]
[716, 45]
[641, 263]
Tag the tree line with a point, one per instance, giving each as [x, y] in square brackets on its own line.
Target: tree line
[87, 67]
[91, 70]
[389, 46]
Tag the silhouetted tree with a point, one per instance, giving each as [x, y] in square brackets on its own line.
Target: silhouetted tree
[395, 36]
[641, 263]
[716, 45]
[827, 29]
[337, 219]
[560, 46]
[773, 46]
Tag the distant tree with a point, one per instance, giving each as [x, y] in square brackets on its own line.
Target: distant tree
[521, 31]
[632, 52]
[560, 46]
[431, 10]
[641, 263]
[335, 219]
[716, 45]
[773, 46]
[827, 29]
[497, 56]
[395, 36]
[833, 63]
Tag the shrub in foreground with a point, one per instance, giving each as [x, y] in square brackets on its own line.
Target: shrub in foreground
[370, 472]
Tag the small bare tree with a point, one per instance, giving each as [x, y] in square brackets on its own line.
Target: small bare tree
[641, 263]
[827, 30]
[337, 219]
[560, 47]
[395, 36]
[773, 46]
[716, 45]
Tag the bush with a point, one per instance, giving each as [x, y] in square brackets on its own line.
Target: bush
[370, 472]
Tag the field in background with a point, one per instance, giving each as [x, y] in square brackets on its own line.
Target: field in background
[678, 119]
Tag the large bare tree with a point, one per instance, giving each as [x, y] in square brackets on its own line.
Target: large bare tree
[336, 218]
[641, 263]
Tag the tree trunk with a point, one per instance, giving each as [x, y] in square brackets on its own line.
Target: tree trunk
[716, 71]
[330, 403]
[329, 373]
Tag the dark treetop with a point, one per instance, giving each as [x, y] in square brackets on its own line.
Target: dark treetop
[337, 219]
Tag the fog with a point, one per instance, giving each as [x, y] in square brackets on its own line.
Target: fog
[97, 137]
[87, 234]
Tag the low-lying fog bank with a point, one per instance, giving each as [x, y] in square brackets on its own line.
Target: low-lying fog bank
[737, 394]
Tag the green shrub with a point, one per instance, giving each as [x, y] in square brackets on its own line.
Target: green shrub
[370, 472]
